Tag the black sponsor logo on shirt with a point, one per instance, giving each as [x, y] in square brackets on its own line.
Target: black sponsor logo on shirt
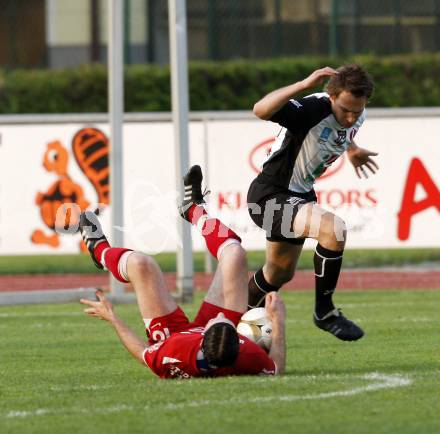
[342, 137]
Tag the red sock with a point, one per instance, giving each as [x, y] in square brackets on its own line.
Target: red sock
[112, 257]
[99, 249]
[215, 234]
[195, 212]
[213, 230]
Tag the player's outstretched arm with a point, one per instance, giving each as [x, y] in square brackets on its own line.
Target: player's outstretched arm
[276, 310]
[360, 158]
[103, 309]
[272, 102]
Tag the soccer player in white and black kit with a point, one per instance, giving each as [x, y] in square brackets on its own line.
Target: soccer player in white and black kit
[316, 130]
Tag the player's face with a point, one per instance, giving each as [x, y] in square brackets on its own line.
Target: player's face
[347, 108]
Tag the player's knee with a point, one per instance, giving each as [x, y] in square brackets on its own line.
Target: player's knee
[142, 264]
[333, 229]
[339, 229]
[238, 255]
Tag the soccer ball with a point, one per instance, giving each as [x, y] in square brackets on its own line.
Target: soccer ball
[256, 326]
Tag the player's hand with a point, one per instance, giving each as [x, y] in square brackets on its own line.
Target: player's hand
[361, 160]
[317, 77]
[101, 309]
[275, 307]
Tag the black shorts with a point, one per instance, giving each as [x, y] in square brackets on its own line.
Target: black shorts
[274, 208]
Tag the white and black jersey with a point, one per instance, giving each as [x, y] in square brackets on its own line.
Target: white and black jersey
[309, 142]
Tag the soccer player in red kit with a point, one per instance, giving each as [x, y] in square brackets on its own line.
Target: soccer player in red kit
[178, 348]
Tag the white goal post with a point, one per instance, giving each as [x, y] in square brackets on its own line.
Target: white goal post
[180, 108]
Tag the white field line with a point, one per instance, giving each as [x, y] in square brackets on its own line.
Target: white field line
[39, 412]
[88, 387]
[310, 378]
[41, 325]
[70, 411]
[378, 381]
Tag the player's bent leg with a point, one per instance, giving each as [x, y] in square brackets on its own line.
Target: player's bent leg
[313, 221]
[153, 297]
[217, 235]
[126, 266]
[228, 290]
[281, 261]
[160, 313]
[330, 231]
[229, 286]
[274, 213]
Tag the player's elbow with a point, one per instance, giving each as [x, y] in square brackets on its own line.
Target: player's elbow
[260, 111]
[139, 355]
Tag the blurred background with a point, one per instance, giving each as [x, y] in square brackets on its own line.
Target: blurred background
[62, 33]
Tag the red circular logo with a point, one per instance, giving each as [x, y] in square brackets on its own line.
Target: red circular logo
[259, 153]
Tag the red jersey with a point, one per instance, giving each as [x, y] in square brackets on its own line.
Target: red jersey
[176, 357]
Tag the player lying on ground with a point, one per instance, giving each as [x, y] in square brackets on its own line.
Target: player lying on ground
[316, 130]
[178, 348]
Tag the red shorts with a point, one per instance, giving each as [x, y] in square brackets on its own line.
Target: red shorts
[161, 327]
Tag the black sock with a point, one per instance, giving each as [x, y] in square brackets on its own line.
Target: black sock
[327, 267]
[258, 288]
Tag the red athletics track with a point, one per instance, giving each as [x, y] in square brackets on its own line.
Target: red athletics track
[395, 278]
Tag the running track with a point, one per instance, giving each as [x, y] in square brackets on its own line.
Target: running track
[360, 279]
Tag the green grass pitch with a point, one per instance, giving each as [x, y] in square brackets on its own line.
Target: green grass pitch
[62, 372]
